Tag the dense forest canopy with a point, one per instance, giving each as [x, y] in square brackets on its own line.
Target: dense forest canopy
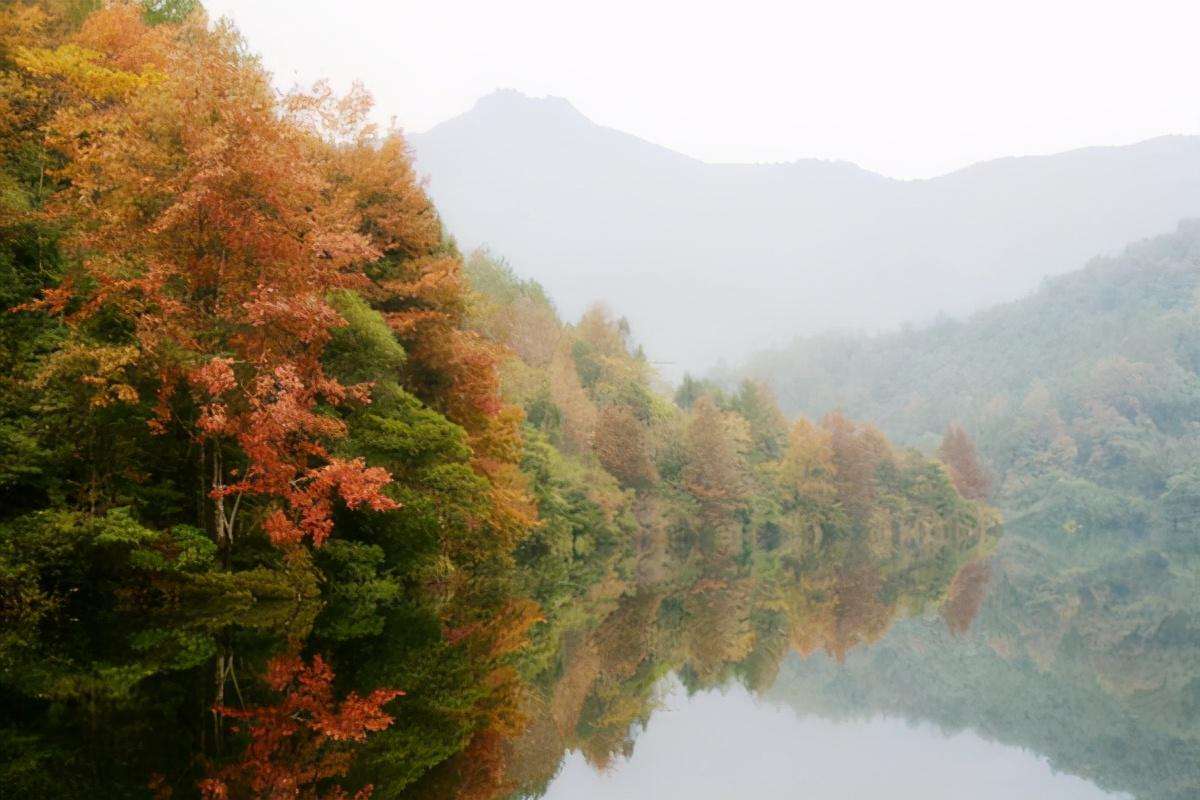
[296, 504]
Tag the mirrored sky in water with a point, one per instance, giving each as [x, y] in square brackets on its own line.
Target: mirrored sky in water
[726, 744]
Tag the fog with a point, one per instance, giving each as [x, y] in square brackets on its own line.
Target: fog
[875, 472]
[907, 90]
[730, 202]
[712, 261]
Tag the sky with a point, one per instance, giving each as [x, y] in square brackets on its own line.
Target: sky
[910, 90]
[719, 745]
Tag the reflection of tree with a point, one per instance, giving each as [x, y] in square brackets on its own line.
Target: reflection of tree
[713, 615]
[299, 741]
[1092, 667]
[967, 591]
[717, 631]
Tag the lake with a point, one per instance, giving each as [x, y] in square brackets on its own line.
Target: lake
[1074, 675]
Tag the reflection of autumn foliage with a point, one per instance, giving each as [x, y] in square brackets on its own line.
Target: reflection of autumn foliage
[753, 538]
[966, 595]
[625, 637]
[718, 630]
[860, 614]
[300, 741]
[474, 773]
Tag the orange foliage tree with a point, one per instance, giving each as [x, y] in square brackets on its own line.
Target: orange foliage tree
[622, 443]
[961, 458]
[857, 453]
[202, 221]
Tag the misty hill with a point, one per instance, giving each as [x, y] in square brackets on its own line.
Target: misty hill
[1084, 397]
[714, 260]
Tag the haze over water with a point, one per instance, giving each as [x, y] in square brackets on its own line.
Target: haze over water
[720, 744]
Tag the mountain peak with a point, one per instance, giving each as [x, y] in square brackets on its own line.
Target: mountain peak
[513, 101]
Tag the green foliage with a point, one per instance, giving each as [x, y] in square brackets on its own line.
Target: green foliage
[365, 346]
[1082, 398]
[158, 12]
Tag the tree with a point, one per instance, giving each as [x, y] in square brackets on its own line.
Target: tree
[1181, 501]
[768, 427]
[958, 453]
[692, 389]
[715, 468]
[210, 233]
[622, 444]
[807, 469]
[857, 453]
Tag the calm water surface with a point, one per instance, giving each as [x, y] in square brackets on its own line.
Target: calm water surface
[1065, 668]
[716, 745]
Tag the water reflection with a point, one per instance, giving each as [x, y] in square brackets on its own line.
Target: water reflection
[715, 745]
[1059, 667]
[917, 660]
[712, 615]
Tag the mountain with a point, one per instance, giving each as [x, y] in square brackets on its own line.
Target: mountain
[710, 261]
[1083, 396]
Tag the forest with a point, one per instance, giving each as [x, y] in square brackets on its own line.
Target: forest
[298, 501]
[1082, 397]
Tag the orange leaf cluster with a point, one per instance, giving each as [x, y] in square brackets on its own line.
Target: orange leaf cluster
[293, 744]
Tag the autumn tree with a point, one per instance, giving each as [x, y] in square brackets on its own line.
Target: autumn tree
[958, 453]
[715, 468]
[858, 451]
[208, 228]
[806, 470]
[579, 413]
[622, 445]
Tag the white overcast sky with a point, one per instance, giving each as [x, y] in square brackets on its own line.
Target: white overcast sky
[909, 88]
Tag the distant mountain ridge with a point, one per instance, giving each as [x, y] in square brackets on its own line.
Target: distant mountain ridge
[710, 261]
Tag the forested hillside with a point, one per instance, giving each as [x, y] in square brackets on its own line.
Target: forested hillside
[1083, 397]
[292, 505]
[715, 261]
